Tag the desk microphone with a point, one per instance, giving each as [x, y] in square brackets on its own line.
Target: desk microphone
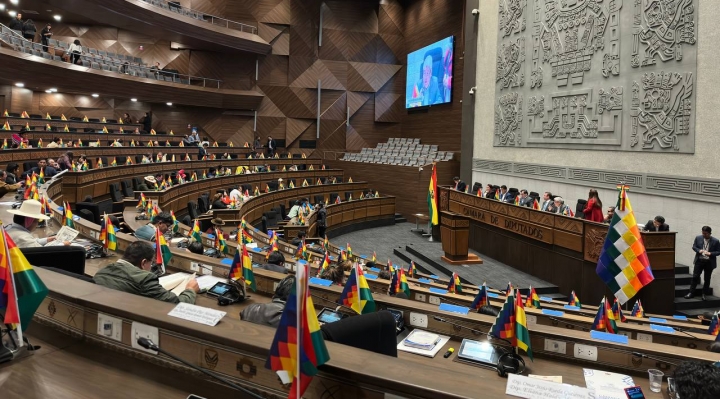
[684, 331]
[472, 330]
[580, 326]
[642, 355]
[351, 310]
[150, 345]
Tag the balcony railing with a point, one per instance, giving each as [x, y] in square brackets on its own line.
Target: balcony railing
[201, 16]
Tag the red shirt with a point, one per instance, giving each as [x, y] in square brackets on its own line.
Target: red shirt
[593, 211]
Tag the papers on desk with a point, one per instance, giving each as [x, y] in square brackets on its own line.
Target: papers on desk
[176, 283]
[207, 281]
[535, 388]
[550, 378]
[607, 385]
[197, 314]
[66, 233]
[423, 343]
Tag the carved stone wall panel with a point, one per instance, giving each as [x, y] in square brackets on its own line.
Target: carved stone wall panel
[584, 58]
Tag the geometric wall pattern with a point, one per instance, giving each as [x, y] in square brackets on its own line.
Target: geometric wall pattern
[614, 75]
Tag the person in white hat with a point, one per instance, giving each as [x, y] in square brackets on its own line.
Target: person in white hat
[148, 184]
[25, 221]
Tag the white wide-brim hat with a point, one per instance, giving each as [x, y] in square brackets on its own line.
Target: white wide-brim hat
[30, 209]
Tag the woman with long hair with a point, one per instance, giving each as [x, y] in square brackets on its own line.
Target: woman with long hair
[593, 209]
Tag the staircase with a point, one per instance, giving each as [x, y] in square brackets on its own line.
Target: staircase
[695, 306]
[399, 218]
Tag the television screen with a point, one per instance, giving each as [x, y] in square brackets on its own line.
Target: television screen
[429, 75]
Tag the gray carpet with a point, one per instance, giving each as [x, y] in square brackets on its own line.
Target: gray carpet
[384, 239]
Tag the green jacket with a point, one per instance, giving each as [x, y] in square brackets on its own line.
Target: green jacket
[126, 277]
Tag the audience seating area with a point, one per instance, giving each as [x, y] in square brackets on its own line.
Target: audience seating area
[400, 151]
[178, 8]
[98, 59]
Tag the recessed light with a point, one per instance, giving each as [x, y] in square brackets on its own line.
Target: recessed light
[20, 84]
[14, 1]
[2, 6]
[133, 99]
[57, 18]
[12, 13]
[169, 104]
[95, 95]
[54, 90]
[48, 91]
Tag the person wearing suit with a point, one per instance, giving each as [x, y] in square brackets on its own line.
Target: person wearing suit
[271, 146]
[504, 196]
[428, 84]
[558, 206]
[459, 184]
[202, 152]
[657, 224]
[593, 209]
[707, 249]
[526, 199]
[547, 201]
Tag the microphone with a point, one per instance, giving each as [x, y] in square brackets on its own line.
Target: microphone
[472, 330]
[684, 331]
[150, 345]
[642, 355]
[580, 326]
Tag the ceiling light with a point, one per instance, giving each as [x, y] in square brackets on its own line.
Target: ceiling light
[57, 18]
[2, 6]
[54, 90]
[12, 13]
[169, 104]
[95, 95]
[133, 99]
[14, 1]
[20, 84]
[48, 91]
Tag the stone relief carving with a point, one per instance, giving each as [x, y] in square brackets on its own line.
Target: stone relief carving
[664, 113]
[512, 16]
[510, 63]
[661, 29]
[578, 76]
[508, 118]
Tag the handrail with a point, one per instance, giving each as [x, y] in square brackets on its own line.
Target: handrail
[125, 68]
[202, 16]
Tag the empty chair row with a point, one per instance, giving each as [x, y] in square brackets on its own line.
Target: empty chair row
[399, 160]
[403, 141]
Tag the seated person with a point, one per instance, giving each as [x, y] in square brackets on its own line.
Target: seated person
[217, 202]
[119, 226]
[525, 199]
[385, 274]
[25, 221]
[459, 184]
[55, 143]
[657, 224]
[217, 224]
[609, 215]
[13, 173]
[4, 184]
[42, 165]
[276, 263]
[335, 274]
[297, 241]
[149, 184]
[162, 221]
[293, 213]
[268, 314]
[196, 248]
[132, 274]
[345, 265]
[558, 206]
[211, 173]
[293, 168]
[697, 380]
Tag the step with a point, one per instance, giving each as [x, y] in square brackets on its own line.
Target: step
[693, 313]
[682, 290]
[421, 266]
[436, 265]
[696, 303]
[681, 269]
[683, 279]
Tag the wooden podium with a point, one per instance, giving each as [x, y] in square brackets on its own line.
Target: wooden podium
[454, 232]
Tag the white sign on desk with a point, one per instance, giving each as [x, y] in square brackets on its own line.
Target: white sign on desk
[531, 388]
[197, 314]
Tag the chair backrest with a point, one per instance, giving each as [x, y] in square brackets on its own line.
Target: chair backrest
[186, 220]
[115, 194]
[271, 218]
[580, 207]
[476, 187]
[319, 199]
[90, 208]
[73, 258]
[203, 203]
[127, 188]
[192, 208]
[136, 181]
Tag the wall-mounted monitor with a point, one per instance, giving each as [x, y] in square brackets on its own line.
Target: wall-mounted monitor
[429, 75]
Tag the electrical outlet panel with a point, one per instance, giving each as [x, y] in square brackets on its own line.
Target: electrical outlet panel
[644, 337]
[143, 330]
[434, 300]
[586, 352]
[531, 319]
[418, 320]
[420, 297]
[110, 327]
[556, 346]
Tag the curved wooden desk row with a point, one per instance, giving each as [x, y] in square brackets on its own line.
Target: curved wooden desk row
[104, 138]
[18, 122]
[558, 249]
[192, 341]
[96, 182]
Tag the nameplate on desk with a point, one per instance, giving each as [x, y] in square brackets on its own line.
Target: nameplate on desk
[555, 313]
[657, 320]
[425, 280]
[546, 299]
[604, 336]
[371, 276]
[454, 308]
[227, 261]
[320, 281]
[211, 236]
[437, 290]
[197, 314]
[680, 317]
[657, 327]
[571, 307]
[434, 276]
[493, 295]
[532, 388]
[375, 269]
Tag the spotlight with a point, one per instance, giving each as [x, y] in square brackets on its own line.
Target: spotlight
[20, 84]
[14, 1]
[54, 90]
[133, 99]
[48, 91]
[95, 95]
[2, 6]
[169, 104]
[57, 18]
[12, 13]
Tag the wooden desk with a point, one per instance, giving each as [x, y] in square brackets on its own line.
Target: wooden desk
[558, 249]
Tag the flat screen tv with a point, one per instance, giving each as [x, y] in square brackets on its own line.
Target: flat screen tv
[429, 75]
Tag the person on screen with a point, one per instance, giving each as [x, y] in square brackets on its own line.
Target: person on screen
[429, 90]
[447, 75]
